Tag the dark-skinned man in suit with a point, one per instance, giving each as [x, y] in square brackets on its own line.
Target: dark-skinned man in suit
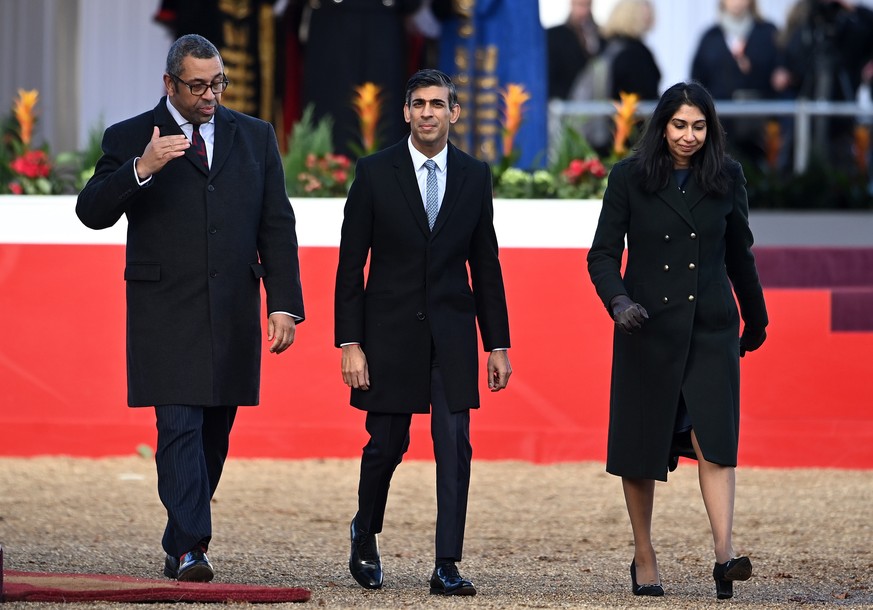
[421, 211]
[208, 219]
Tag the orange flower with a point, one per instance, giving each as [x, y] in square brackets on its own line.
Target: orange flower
[368, 106]
[514, 97]
[624, 121]
[23, 110]
[862, 146]
[772, 143]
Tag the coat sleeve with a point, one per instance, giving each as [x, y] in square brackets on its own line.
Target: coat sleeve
[113, 186]
[487, 276]
[277, 235]
[355, 240]
[739, 259]
[607, 248]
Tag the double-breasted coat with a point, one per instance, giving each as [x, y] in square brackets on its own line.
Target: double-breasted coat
[685, 250]
[199, 242]
[418, 297]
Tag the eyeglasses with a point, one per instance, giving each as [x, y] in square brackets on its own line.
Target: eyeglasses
[199, 89]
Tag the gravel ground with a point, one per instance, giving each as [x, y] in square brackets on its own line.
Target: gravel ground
[554, 536]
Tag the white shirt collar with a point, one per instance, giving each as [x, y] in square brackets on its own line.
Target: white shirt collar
[182, 121]
[418, 158]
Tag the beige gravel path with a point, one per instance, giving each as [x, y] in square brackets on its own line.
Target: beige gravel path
[551, 536]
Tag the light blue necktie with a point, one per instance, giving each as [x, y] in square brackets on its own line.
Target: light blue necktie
[432, 194]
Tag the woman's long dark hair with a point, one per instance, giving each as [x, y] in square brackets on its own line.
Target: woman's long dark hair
[652, 159]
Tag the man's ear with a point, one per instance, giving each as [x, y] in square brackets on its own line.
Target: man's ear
[456, 114]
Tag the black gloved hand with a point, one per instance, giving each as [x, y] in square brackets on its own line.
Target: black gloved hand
[751, 339]
[629, 316]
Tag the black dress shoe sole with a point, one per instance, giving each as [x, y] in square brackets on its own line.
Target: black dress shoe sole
[367, 584]
[197, 573]
[468, 591]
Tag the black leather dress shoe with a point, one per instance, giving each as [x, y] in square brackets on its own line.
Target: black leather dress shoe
[193, 566]
[446, 580]
[365, 564]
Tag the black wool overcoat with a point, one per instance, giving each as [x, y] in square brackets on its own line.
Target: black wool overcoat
[685, 250]
[418, 291]
[198, 245]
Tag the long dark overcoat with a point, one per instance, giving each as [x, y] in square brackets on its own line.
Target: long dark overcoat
[684, 251]
[418, 290]
[198, 244]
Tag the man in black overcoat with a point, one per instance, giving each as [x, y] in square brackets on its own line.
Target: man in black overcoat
[208, 219]
[421, 211]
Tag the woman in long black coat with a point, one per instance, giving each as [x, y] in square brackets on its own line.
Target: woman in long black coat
[681, 204]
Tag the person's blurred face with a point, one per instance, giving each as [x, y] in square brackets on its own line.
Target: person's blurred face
[429, 117]
[647, 16]
[685, 134]
[580, 11]
[736, 8]
[197, 109]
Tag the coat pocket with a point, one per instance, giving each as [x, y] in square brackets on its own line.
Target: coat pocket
[142, 272]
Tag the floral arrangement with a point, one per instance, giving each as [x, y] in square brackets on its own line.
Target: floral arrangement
[26, 170]
[311, 168]
[576, 172]
[325, 175]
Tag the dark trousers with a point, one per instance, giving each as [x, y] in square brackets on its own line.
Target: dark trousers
[389, 440]
[192, 447]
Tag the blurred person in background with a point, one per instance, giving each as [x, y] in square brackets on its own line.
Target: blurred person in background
[569, 46]
[346, 44]
[735, 60]
[634, 69]
[824, 58]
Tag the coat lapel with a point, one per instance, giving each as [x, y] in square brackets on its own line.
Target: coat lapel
[678, 202]
[164, 121]
[457, 173]
[225, 132]
[405, 172]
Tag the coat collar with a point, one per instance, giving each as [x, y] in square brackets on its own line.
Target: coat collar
[683, 202]
[456, 168]
[225, 131]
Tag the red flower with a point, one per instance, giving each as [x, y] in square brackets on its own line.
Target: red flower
[596, 168]
[32, 164]
[15, 188]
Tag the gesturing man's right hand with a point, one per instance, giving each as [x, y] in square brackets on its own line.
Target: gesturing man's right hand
[629, 316]
[159, 151]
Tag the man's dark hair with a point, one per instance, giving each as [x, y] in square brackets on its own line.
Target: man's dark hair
[652, 157]
[192, 45]
[431, 78]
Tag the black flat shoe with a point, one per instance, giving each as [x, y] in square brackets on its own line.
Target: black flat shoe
[738, 568]
[650, 590]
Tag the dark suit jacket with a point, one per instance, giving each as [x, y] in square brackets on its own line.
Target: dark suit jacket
[685, 251]
[198, 245]
[418, 292]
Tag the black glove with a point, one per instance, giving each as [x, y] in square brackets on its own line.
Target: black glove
[751, 339]
[629, 316]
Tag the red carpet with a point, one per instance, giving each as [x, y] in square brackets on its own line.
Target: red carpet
[18, 586]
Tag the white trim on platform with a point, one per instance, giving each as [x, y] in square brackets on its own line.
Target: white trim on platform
[520, 223]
